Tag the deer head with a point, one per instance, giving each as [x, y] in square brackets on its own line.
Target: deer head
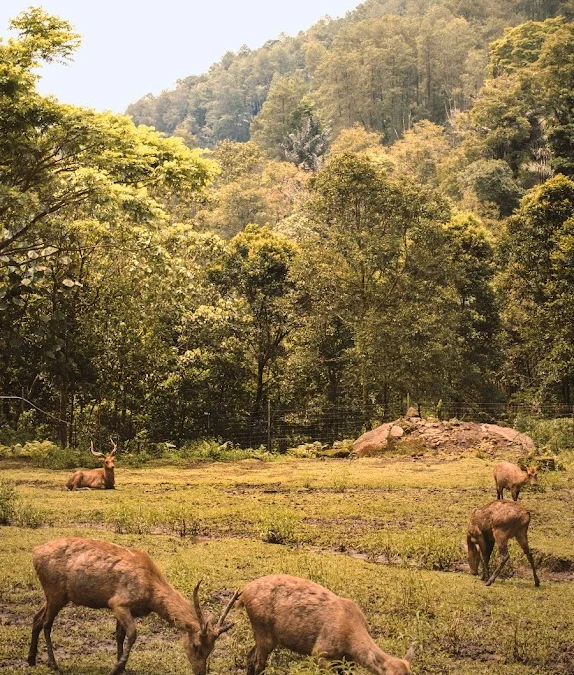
[108, 460]
[473, 553]
[200, 643]
[532, 475]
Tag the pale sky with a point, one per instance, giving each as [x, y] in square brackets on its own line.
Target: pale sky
[133, 48]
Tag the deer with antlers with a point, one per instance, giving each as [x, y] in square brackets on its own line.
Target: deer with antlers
[307, 618]
[497, 523]
[98, 574]
[95, 479]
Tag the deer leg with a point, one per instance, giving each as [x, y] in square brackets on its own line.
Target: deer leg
[125, 619]
[120, 637]
[51, 612]
[499, 493]
[503, 550]
[251, 661]
[486, 551]
[262, 651]
[36, 630]
[515, 493]
[523, 541]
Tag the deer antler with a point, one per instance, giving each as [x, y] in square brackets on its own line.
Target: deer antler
[221, 627]
[199, 613]
[114, 446]
[96, 454]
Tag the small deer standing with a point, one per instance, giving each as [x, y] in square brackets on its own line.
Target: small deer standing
[511, 477]
[497, 523]
[97, 574]
[95, 479]
[308, 619]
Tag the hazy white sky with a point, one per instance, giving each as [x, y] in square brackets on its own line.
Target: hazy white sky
[132, 48]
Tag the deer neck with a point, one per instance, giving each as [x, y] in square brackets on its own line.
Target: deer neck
[173, 607]
[108, 477]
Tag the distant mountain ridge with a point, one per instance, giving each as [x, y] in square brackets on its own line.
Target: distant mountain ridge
[385, 65]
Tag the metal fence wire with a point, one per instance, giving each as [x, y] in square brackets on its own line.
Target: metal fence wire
[279, 427]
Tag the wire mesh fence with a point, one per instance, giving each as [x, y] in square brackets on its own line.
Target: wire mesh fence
[279, 427]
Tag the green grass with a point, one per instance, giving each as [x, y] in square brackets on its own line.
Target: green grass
[385, 532]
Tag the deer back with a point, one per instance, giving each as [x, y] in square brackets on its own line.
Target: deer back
[89, 572]
[298, 611]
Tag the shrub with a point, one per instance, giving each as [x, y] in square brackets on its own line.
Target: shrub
[279, 527]
[29, 516]
[557, 434]
[15, 512]
[8, 503]
[38, 450]
[58, 458]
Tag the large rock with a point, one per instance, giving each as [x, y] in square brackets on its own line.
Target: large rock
[452, 435]
[372, 442]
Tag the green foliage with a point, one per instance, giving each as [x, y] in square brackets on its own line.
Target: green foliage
[279, 527]
[557, 435]
[537, 285]
[13, 511]
[492, 181]
[385, 66]
[8, 502]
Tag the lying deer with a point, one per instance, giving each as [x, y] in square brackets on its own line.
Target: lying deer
[508, 475]
[96, 479]
[497, 523]
[302, 616]
[97, 574]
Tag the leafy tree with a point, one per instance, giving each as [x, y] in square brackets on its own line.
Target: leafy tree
[492, 182]
[307, 144]
[370, 264]
[75, 186]
[536, 286]
[279, 115]
[256, 271]
[421, 151]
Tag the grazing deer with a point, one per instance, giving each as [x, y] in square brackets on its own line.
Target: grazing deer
[95, 479]
[97, 574]
[309, 619]
[508, 475]
[497, 523]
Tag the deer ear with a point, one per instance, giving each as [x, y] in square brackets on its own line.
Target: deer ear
[179, 624]
[410, 655]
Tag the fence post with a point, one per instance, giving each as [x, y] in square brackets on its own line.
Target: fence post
[268, 425]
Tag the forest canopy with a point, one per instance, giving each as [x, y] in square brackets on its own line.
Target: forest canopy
[379, 210]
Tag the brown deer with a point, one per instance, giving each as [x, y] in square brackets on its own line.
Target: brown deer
[97, 574]
[308, 619]
[497, 523]
[95, 479]
[511, 476]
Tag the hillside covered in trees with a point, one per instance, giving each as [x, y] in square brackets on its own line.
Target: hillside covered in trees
[385, 66]
[377, 211]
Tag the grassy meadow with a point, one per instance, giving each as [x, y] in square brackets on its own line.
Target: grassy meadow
[386, 532]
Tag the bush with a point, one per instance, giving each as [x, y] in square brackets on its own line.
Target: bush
[14, 512]
[211, 450]
[556, 434]
[38, 451]
[58, 458]
[8, 503]
[279, 527]
[29, 516]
